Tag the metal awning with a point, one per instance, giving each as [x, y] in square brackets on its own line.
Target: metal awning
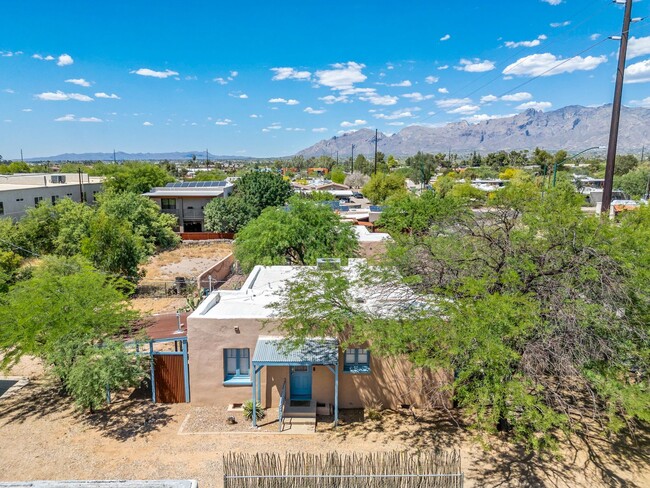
[275, 351]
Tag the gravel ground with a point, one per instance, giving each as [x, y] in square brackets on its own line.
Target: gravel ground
[188, 260]
[43, 436]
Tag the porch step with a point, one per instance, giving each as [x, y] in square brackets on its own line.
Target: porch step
[298, 425]
[306, 412]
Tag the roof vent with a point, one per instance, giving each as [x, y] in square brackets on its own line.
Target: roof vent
[328, 264]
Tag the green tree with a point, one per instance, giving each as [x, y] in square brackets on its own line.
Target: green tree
[382, 186]
[73, 226]
[146, 219]
[112, 246]
[634, 183]
[624, 164]
[38, 229]
[539, 329]
[228, 214]
[263, 189]
[337, 175]
[362, 165]
[65, 297]
[423, 167]
[135, 177]
[212, 175]
[299, 235]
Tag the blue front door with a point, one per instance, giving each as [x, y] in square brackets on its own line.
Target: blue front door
[300, 382]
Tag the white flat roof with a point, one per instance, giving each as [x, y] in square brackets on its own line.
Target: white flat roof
[364, 235]
[265, 283]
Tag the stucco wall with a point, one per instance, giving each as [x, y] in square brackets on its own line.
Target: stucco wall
[390, 383]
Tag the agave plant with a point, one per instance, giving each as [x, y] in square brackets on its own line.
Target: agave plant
[248, 410]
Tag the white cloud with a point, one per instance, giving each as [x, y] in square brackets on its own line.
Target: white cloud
[446, 37]
[475, 65]
[443, 67]
[330, 99]
[398, 124]
[638, 46]
[147, 124]
[106, 95]
[221, 81]
[295, 129]
[431, 79]
[481, 117]
[290, 74]
[319, 129]
[312, 111]
[533, 43]
[443, 90]
[453, 102]
[397, 114]
[234, 74]
[60, 96]
[243, 96]
[552, 2]
[65, 60]
[9, 54]
[342, 75]
[73, 118]
[645, 103]
[223, 122]
[517, 97]
[9, 90]
[273, 126]
[402, 83]
[290, 101]
[535, 105]
[377, 99]
[154, 74]
[356, 123]
[255, 116]
[638, 72]
[489, 99]
[43, 58]
[27, 110]
[78, 81]
[555, 25]
[541, 64]
[594, 37]
[465, 109]
[417, 96]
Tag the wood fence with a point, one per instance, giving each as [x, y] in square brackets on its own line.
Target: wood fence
[204, 236]
[394, 469]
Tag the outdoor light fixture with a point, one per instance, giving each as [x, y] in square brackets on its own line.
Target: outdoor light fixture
[179, 326]
[236, 329]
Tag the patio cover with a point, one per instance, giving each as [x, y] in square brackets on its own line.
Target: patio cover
[272, 351]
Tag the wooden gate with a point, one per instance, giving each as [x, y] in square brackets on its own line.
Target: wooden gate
[169, 378]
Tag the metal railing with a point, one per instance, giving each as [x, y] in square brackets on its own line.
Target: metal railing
[283, 399]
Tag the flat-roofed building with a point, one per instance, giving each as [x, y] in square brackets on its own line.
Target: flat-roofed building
[187, 200]
[20, 192]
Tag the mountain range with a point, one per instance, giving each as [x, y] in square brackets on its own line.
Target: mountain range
[124, 156]
[573, 128]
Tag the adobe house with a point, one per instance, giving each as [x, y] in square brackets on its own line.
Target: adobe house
[237, 355]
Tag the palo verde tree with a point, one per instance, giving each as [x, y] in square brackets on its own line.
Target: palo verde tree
[540, 310]
[62, 314]
[300, 234]
[382, 186]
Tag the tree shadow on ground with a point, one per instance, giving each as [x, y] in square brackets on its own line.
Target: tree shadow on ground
[128, 417]
[587, 460]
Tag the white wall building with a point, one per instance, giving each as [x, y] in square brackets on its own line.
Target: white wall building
[22, 191]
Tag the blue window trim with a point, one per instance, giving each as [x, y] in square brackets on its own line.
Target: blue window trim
[237, 379]
[356, 367]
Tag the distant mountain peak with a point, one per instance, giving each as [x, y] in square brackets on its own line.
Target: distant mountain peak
[572, 128]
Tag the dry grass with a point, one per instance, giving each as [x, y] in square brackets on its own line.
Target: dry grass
[188, 260]
[151, 306]
[42, 436]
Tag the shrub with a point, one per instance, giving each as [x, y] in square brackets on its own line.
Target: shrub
[248, 410]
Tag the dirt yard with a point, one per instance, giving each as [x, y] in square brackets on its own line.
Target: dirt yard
[42, 436]
[189, 260]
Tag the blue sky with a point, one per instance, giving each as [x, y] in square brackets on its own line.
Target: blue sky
[270, 78]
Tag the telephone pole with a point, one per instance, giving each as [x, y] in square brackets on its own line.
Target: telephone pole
[376, 135]
[352, 160]
[616, 111]
[207, 159]
[21, 156]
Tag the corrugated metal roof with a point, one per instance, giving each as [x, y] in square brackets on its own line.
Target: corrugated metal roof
[275, 351]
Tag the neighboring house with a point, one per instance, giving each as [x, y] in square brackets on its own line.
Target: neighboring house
[236, 349]
[20, 192]
[336, 189]
[187, 200]
[371, 244]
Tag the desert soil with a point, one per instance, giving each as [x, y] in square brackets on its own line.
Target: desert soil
[189, 260]
[42, 436]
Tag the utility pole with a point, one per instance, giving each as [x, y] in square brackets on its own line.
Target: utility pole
[352, 160]
[337, 158]
[21, 156]
[376, 133]
[207, 159]
[81, 187]
[114, 159]
[642, 153]
[616, 111]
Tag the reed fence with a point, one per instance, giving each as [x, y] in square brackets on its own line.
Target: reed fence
[394, 469]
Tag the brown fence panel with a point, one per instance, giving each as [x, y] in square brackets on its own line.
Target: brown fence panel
[203, 236]
[169, 377]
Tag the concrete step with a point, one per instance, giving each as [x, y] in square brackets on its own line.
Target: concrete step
[301, 412]
[298, 426]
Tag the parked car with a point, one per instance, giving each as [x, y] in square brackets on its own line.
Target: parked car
[357, 194]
